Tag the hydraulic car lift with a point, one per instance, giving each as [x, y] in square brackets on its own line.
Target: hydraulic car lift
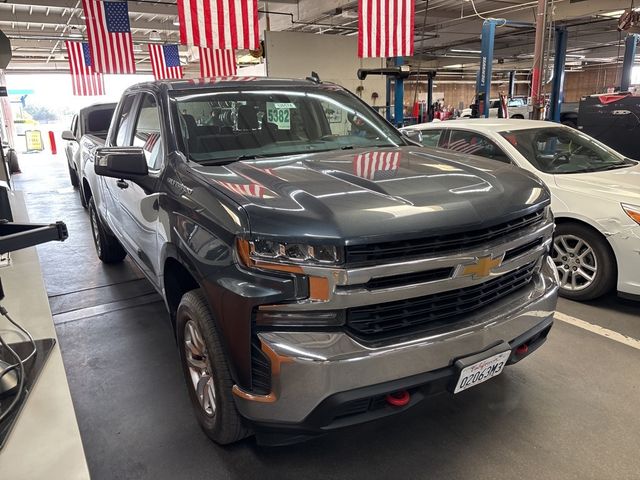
[398, 73]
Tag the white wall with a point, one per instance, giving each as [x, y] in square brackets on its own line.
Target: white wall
[333, 57]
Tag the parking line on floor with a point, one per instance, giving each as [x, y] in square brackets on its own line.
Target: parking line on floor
[604, 332]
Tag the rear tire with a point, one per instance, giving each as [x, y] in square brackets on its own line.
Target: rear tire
[518, 117]
[204, 364]
[108, 247]
[73, 176]
[585, 262]
[83, 200]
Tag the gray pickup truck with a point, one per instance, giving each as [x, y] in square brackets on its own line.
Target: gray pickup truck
[320, 269]
[92, 120]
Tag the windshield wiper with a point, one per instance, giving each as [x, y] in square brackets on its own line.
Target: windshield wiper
[228, 160]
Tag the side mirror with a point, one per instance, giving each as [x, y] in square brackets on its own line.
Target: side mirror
[413, 135]
[126, 163]
[68, 136]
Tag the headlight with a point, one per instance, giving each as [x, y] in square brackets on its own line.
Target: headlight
[261, 249]
[632, 211]
[266, 254]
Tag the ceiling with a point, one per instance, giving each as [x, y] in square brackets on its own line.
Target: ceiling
[447, 32]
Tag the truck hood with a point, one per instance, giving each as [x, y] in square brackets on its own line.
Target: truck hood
[362, 196]
[621, 185]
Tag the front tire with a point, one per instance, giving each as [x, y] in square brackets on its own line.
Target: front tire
[206, 371]
[108, 247]
[586, 264]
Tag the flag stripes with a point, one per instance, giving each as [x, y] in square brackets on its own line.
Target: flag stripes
[366, 165]
[249, 190]
[84, 79]
[463, 146]
[385, 28]
[217, 62]
[226, 24]
[109, 35]
[165, 61]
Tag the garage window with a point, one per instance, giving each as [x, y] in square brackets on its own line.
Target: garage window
[147, 132]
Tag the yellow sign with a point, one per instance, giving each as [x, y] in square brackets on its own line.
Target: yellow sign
[483, 266]
[34, 140]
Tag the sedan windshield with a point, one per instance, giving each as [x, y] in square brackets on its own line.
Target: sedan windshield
[563, 150]
[219, 126]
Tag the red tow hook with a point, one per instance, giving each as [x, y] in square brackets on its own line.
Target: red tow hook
[522, 349]
[398, 399]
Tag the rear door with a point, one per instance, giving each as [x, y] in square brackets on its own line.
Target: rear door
[121, 136]
[139, 206]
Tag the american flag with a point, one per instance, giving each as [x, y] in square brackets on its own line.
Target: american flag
[109, 36]
[249, 190]
[214, 80]
[376, 165]
[385, 28]
[219, 23]
[150, 142]
[216, 62]
[465, 146]
[84, 79]
[165, 61]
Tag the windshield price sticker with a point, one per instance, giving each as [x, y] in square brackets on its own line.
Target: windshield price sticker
[280, 114]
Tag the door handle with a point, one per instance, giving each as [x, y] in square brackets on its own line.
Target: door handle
[122, 184]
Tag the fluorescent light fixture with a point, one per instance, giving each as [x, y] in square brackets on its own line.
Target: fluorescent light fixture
[463, 50]
[75, 32]
[613, 13]
[574, 55]
[176, 21]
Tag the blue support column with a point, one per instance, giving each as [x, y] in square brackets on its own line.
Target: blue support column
[629, 60]
[512, 83]
[557, 88]
[388, 99]
[483, 84]
[429, 98]
[398, 101]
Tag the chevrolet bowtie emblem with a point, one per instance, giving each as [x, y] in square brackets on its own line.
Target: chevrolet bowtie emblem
[483, 267]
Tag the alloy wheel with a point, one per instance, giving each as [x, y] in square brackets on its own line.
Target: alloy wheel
[200, 370]
[575, 261]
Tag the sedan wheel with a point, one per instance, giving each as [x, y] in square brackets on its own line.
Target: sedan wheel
[576, 262]
[585, 262]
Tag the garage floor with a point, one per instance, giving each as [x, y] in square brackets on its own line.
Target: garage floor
[570, 411]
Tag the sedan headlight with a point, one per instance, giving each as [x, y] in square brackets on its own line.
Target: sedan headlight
[632, 211]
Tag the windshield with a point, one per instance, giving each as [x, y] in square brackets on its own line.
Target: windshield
[221, 125]
[564, 150]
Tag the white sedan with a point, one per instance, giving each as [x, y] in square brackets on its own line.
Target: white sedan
[595, 195]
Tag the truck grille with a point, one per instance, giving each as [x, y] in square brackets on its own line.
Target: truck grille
[400, 250]
[387, 320]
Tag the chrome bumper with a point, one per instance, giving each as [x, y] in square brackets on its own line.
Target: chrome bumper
[308, 367]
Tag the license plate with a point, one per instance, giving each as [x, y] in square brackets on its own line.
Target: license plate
[482, 371]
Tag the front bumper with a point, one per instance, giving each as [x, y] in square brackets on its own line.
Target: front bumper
[626, 247]
[316, 375]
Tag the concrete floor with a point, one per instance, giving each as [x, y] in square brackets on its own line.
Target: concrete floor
[570, 411]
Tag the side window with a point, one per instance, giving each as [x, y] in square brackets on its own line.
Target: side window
[431, 138]
[124, 118]
[475, 144]
[147, 132]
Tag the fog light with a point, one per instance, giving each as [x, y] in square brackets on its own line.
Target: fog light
[299, 319]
